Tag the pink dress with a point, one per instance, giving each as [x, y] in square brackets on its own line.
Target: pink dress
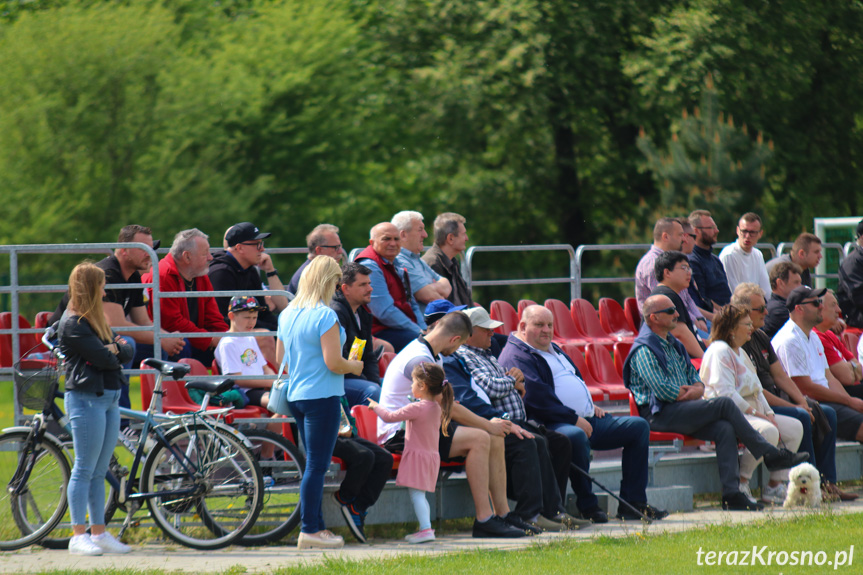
[421, 459]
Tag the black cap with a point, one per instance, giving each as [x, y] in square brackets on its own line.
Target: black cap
[156, 244]
[801, 294]
[860, 228]
[244, 232]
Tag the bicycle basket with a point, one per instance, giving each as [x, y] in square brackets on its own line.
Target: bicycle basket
[35, 383]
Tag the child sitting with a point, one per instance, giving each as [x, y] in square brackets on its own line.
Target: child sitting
[240, 355]
[420, 461]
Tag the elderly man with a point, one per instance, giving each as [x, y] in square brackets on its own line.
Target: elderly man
[710, 286]
[742, 261]
[478, 440]
[397, 317]
[322, 241]
[818, 421]
[185, 269]
[450, 239]
[784, 277]
[843, 364]
[427, 284]
[537, 462]
[850, 290]
[668, 393]
[667, 236]
[239, 268]
[802, 355]
[556, 396]
[806, 253]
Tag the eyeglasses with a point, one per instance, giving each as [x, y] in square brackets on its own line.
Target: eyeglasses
[670, 311]
[685, 268]
[748, 232]
[259, 244]
[338, 247]
[814, 302]
[761, 309]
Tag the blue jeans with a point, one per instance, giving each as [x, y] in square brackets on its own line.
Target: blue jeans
[95, 424]
[630, 433]
[824, 456]
[318, 424]
[357, 391]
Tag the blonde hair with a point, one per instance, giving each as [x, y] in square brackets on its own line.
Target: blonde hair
[317, 283]
[85, 297]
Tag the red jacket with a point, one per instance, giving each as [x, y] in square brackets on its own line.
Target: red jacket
[394, 285]
[175, 311]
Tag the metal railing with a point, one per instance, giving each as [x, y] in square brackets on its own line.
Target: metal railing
[572, 280]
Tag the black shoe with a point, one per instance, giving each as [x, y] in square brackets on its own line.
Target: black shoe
[512, 519]
[596, 515]
[739, 502]
[497, 528]
[783, 459]
[649, 511]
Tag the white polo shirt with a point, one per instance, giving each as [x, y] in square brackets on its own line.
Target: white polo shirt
[799, 354]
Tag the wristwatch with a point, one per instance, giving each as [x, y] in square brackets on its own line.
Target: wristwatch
[273, 273]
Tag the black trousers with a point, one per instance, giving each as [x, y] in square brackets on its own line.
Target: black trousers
[368, 468]
[533, 474]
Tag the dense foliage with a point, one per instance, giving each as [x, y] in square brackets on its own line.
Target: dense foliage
[523, 115]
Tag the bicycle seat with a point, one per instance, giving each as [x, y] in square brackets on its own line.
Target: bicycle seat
[175, 370]
[213, 387]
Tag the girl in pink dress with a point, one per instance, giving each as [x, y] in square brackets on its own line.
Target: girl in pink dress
[421, 460]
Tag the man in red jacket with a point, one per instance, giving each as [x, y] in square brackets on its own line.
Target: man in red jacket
[185, 269]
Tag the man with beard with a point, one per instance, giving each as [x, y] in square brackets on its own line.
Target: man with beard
[709, 284]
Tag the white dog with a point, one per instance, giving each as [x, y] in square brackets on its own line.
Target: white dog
[804, 487]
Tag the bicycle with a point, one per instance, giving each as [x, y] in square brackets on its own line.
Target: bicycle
[199, 479]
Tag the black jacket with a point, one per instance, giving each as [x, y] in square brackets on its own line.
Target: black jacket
[90, 366]
[348, 321]
[850, 290]
[226, 274]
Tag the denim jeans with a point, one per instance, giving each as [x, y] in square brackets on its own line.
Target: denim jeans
[609, 432]
[357, 391]
[318, 424]
[95, 424]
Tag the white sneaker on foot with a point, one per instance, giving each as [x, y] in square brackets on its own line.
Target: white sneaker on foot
[744, 489]
[83, 545]
[110, 544]
[321, 540]
[774, 495]
[420, 536]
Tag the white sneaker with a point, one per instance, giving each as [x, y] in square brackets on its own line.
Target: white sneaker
[420, 536]
[83, 545]
[321, 540]
[774, 495]
[109, 544]
[744, 489]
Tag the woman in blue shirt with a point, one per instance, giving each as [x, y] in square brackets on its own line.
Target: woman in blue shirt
[311, 338]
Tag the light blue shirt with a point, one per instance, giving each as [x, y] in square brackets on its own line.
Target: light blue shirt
[300, 331]
[419, 272]
[383, 307]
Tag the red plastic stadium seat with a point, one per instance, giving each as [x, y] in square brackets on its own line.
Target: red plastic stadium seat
[565, 331]
[214, 367]
[523, 303]
[654, 435]
[602, 369]
[503, 311]
[621, 350]
[574, 353]
[586, 320]
[613, 320]
[367, 426]
[199, 369]
[41, 322]
[632, 313]
[26, 341]
[851, 339]
[384, 362]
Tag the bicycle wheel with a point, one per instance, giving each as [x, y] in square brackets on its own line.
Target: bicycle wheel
[225, 482]
[30, 513]
[60, 535]
[282, 476]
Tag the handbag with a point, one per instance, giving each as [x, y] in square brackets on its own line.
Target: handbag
[278, 402]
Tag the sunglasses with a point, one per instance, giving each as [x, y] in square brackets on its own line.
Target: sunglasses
[814, 302]
[693, 236]
[670, 311]
[761, 309]
[338, 247]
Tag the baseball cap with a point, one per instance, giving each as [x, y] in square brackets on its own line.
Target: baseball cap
[801, 294]
[244, 303]
[480, 318]
[438, 308]
[244, 232]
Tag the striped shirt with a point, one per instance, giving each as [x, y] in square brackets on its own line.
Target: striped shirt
[492, 379]
[648, 377]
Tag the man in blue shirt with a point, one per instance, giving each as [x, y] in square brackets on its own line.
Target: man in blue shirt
[426, 284]
[709, 283]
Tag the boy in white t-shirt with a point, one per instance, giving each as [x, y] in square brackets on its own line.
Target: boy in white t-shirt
[240, 355]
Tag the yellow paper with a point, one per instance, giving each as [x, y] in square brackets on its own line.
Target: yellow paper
[357, 348]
